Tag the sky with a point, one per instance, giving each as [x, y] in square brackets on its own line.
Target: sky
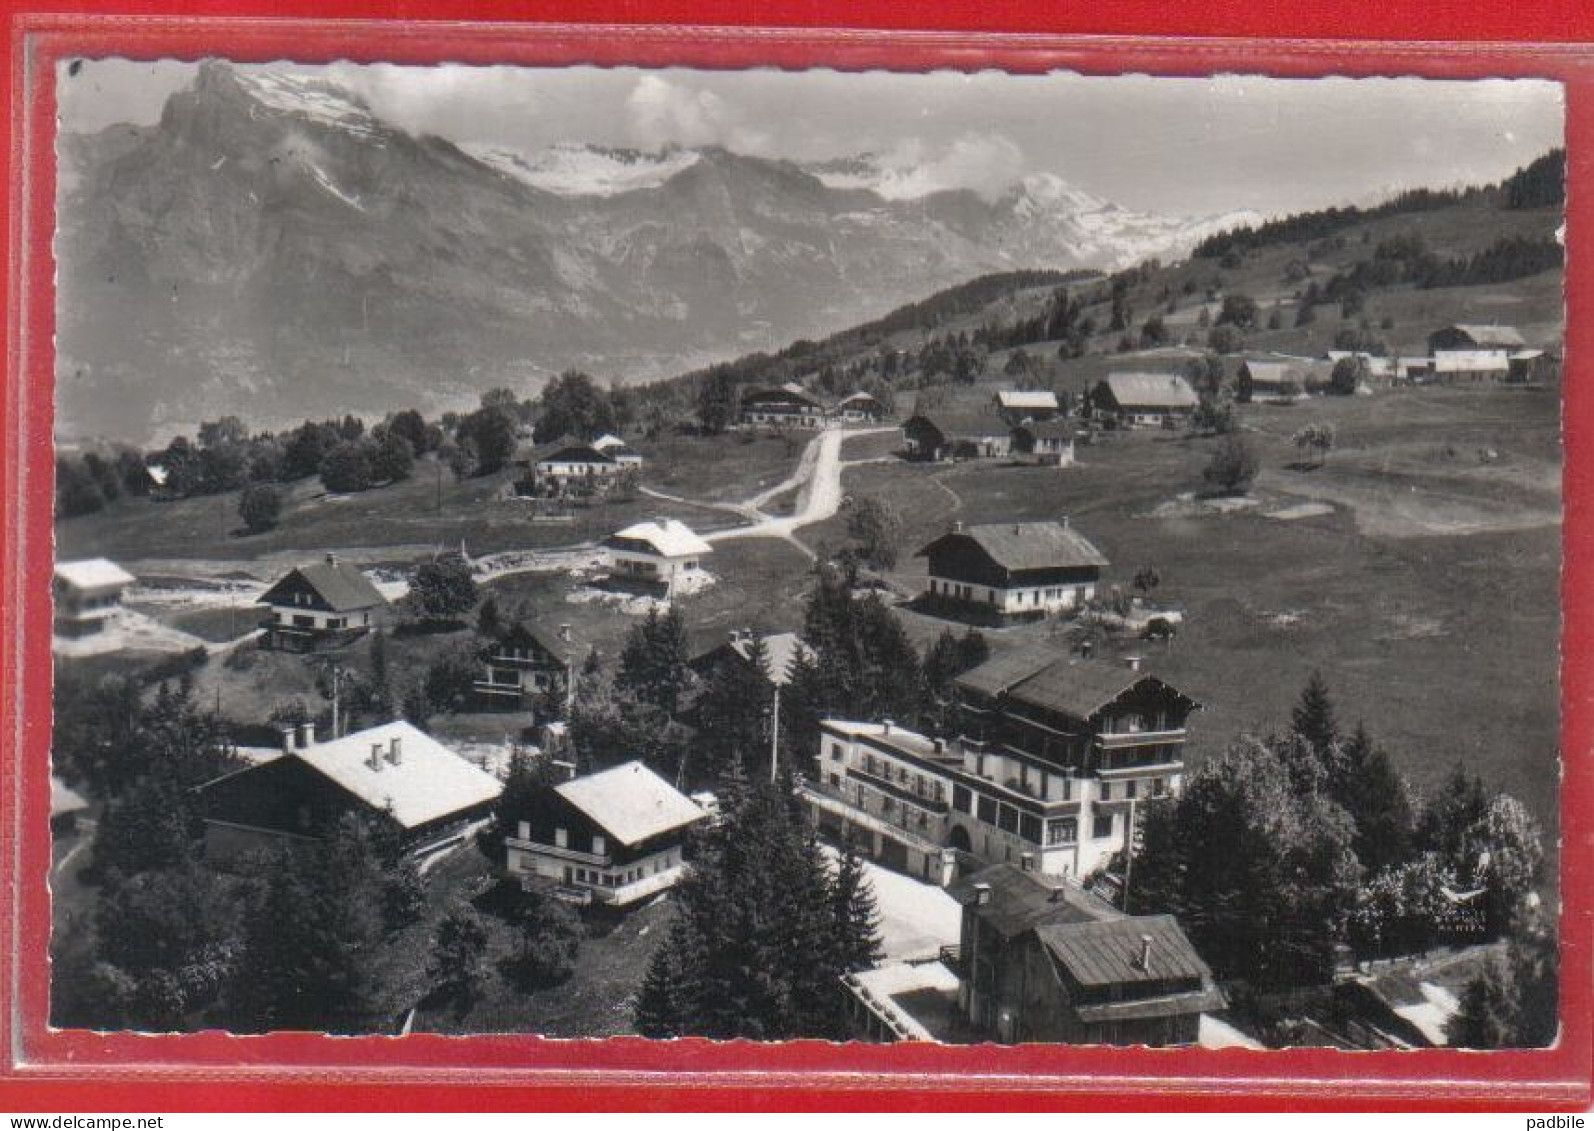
[1179, 146]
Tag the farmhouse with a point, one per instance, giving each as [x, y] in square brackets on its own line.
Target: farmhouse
[859, 408]
[627, 457]
[1141, 400]
[1049, 442]
[1468, 352]
[571, 469]
[324, 605]
[391, 773]
[1020, 405]
[613, 837]
[1040, 960]
[781, 650]
[87, 595]
[1280, 377]
[1010, 569]
[526, 665]
[789, 406]
[665, 553]
[953, 433]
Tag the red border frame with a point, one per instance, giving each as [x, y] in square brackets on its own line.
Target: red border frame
[78, 1071]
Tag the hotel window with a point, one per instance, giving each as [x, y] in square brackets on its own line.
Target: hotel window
[1106, 791]
[1158, 787]
[1131, 788]
[962, 799]
[987, 810]
[1007, 819]
[1062, 830]
[835, 781]
[835, 751]
[1029, 828]
[1103, 827]
[561, 838]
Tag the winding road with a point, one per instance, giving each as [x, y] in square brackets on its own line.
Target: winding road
[817, 480]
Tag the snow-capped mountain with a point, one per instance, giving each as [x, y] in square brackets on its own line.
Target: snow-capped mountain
[585, 170]
[273, 243]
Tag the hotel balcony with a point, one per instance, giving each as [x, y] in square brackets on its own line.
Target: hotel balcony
[1133, 739]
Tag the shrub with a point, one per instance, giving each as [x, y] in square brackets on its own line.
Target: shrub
[259, 507]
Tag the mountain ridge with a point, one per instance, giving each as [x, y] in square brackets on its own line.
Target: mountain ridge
[273, 239]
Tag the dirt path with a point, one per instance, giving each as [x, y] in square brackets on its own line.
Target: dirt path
[817, 481]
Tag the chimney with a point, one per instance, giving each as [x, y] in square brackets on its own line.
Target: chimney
[957, 527]
[885, 725]
[564, 633]
[982, 894]
[1065, 522]
[1087, 648]
[332, 559]
[1134, 662]
[940, 746]
[1026, 862]
[289, 735]
[395, 752]
[1144, 961]
[306, 734]
[1017, 529]
[376, 756]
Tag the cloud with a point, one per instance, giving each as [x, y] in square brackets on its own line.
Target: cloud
[660, 113]
[987, 164]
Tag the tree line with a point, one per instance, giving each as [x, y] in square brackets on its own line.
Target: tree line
[1285, 850]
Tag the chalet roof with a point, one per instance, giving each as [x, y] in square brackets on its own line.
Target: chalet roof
[789, 393]
[608, 440]
[1206, 1000]
[780, 648]
[340, 584]
[1151, 390]
[859, 397]
[429, 782]
[522, 633]
[669, 538]
[1500, 337]
[1107, 953]
[630, 802]
[1029, 545]
[1055, 681]
[1274, 372]
[1054, 429]
[93, 573]
[965, 423]
[1021, 901]
[574, 453]
[1027, 399]
[1006, 669]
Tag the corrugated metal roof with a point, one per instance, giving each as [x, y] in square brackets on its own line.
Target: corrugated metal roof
[1151, 390]
[630, 802]
[340, 584]
[1107, 952]
[1022, 900]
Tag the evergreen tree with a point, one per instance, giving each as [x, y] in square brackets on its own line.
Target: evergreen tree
[1313, 717]
[856, 913]
[1380, 802]
[456, 965]
[733, 713]
[312, 944]
[653, 663]
[1450, 816]
[759, 955]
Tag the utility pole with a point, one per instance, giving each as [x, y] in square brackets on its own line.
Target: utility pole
[774, 738]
